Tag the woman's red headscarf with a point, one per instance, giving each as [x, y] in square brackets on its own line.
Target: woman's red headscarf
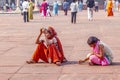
[54, 34]
[52, 31]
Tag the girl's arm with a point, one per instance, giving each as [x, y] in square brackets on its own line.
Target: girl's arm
[86, 59]
[101, 52]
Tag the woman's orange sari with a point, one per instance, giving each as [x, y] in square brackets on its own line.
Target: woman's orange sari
[109, 8]
[51, 52]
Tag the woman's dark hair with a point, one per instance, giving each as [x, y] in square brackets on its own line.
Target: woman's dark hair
[92, 40]
[49, 31]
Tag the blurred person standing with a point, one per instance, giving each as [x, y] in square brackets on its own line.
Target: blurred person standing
[55, 8]
[30, 10]
[48, 9]
[96, 6]
[90, 5]
[80, 5]
[116, 5]
[65, 7]
[119, 6]
[105, 4]
[44, 6]
[109, 8]
[74, 9]
[25, 6]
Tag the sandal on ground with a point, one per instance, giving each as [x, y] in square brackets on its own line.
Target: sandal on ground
[30, 61]
[58, 63]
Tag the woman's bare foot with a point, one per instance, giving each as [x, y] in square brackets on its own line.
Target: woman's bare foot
[31, 61]
[58, 63]
[64, 60]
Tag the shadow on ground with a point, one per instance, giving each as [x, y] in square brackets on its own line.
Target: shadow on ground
[76, 62]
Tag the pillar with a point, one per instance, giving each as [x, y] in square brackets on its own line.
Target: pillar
[4, 5]
[17, 7]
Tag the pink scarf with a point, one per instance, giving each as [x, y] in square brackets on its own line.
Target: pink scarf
[95, 49]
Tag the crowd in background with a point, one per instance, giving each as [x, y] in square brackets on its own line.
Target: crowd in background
[46, 9]
[75, 6]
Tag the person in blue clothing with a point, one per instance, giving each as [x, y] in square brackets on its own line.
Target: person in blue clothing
[55, 8]
[65, 6]
[105, 4]
[80, 5]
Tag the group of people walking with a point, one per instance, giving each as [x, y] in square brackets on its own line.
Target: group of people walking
[91, 4]
[50, 50]
[45, 8]
[75, 6]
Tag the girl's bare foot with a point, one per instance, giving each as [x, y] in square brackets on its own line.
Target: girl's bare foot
[91, 64]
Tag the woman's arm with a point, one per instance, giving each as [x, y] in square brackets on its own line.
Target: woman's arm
[37, 40]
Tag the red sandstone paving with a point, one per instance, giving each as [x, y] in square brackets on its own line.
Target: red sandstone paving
[17, 43]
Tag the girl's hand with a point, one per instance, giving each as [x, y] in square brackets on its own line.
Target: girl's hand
[81, 61]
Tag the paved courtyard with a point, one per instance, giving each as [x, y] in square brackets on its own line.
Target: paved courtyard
[17, 43]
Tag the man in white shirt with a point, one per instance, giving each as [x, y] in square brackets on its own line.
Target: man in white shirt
[90, 5]
[74, 9]
[25, 6]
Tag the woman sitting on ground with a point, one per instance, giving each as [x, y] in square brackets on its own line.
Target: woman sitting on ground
[50, 49]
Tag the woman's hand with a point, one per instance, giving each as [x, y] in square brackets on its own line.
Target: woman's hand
[37, 40]
[41, 30]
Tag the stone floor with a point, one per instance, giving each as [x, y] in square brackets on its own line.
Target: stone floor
[17, 43]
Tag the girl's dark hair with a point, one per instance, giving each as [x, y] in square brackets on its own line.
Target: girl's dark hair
[92, 40]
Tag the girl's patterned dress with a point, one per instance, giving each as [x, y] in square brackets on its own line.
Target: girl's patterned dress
[106, 60]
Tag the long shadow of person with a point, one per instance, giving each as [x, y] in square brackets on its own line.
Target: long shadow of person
[115, 64]
[76, 62]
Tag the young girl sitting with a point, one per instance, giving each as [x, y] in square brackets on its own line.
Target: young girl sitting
[101, 53]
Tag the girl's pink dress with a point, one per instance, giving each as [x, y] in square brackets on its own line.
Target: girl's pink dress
[96, 60]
